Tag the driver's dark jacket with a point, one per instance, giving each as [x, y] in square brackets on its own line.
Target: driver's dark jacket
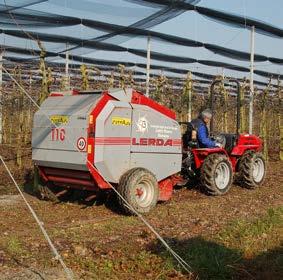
[202, 134]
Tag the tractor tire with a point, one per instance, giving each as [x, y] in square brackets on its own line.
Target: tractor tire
[45, 193]
[139, 188]
[251, 170]
[216, 174]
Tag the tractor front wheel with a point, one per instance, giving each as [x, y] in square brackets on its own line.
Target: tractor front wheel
[216, 174]
[138, 188]
[251, 170]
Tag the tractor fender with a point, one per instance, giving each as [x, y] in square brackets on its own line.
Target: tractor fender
[201, 154]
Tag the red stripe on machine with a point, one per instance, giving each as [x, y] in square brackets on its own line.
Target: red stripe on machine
[106, 141]
[112, 141]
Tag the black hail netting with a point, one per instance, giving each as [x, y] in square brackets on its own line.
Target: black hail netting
[109, 65]
[20, 19]
[166, 13]
[143, 53]
[226, 18]
[30, 18]
[167, 9]
[55, 45]
[9, 6]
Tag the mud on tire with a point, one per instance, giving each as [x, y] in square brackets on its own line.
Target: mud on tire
[216, 174]
[251, 170]
[139, 188]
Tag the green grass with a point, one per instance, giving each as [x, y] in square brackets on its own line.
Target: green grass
[14, 246]
[243, 246]
[252, 237]
[131, 266]
[209, 260]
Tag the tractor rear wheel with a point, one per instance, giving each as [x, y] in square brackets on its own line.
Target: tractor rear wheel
[251, 170]
[216, 174]
[139, 188]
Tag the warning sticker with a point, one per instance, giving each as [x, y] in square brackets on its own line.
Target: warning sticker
[81, 143]
[121, 121]
[57, 119]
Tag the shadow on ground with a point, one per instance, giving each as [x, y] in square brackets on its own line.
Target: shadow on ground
[210, 260]
[81, 197]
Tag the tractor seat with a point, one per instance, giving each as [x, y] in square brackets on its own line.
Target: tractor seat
[189, 140]
[231, 141]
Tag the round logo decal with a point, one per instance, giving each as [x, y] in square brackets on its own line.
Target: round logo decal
[81, 143]
[142, 125]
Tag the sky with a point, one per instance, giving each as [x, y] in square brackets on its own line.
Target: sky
[189, 24]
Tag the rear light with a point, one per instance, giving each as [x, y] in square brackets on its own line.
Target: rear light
[89, 149]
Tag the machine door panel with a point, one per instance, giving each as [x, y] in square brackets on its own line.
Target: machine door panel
[156, 142]
[60, 131]
[113, 140]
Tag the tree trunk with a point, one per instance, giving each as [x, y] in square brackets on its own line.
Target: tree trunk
[280, 125]
[263, 123]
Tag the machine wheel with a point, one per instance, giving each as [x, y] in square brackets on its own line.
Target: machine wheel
[139, 188]
[216, 174]
[251, 170]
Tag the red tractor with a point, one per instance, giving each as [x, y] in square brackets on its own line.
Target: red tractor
[215, 167]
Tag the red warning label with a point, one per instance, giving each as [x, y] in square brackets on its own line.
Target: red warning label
[81, 143]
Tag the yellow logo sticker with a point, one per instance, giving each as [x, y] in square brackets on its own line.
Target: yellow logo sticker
[57, 119]
[121, 121]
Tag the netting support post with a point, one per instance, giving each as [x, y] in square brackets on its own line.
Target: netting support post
[190, 96]
[67, 68]
[251, 103]
[1, 97]
[147, 66]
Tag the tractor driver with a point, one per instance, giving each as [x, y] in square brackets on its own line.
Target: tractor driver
[200, 126]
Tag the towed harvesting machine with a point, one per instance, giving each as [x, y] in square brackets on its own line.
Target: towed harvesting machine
[84, 140]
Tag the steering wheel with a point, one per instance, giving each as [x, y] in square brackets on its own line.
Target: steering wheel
[220, 138]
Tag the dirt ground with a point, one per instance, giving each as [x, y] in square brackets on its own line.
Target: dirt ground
[235, 236]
